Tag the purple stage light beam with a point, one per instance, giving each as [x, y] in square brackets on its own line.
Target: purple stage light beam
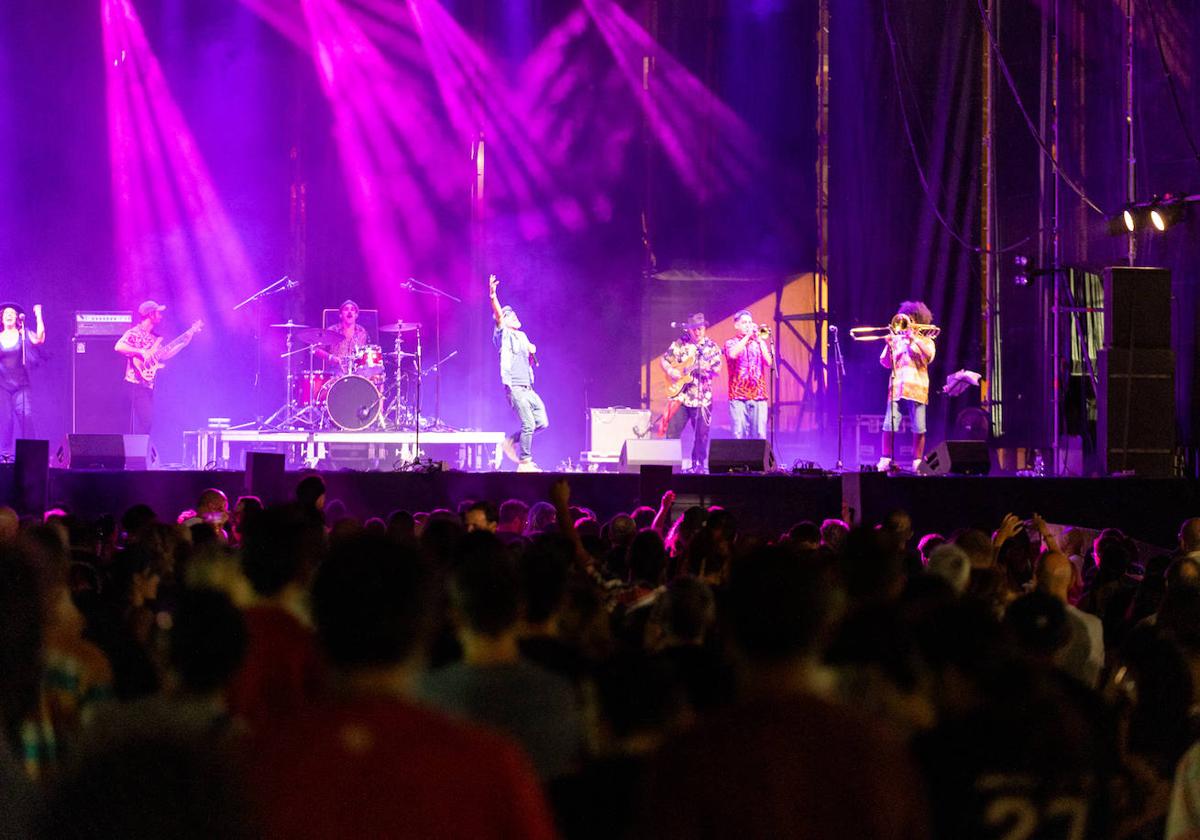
[708, 144]
[173, 236]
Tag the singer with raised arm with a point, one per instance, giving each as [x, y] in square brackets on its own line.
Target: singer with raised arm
[16, 358]
[750, 362]
[908, 351]
[691, 363]
[518, 356]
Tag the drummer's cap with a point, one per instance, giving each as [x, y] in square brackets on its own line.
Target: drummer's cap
[349, 303]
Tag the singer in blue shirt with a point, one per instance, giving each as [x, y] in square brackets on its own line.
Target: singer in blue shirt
[518, 357]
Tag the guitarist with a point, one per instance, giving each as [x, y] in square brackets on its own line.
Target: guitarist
[691, 363]
[138, 345]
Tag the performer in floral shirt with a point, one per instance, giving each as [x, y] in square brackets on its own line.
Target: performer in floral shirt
[691, 363]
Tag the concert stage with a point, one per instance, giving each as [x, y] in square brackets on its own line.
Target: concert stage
[1147, 509]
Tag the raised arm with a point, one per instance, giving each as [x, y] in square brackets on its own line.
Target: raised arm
[38, 336]
[497, 312]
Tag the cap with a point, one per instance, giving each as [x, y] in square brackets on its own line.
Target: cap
[148, 306]
[346, 303]
[14, 306]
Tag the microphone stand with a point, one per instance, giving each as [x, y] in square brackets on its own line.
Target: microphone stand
[421, 287]
[281, 285]
[839, 369]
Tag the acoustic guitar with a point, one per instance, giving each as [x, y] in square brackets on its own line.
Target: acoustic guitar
[687, 369]
[158, 353]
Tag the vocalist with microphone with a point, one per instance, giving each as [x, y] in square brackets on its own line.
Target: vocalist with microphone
[750, 362]
[517, 360]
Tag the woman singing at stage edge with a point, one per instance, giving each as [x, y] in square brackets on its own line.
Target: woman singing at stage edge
[16, 358]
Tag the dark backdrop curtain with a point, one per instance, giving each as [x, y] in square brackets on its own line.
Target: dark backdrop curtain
[886, 244]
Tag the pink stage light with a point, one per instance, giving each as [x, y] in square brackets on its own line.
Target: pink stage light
[710, 147]
[173, 237]
[399, 162]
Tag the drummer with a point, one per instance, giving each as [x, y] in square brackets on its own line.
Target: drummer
[352, 337]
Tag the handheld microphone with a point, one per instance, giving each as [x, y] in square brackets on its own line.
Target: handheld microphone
[832, 329]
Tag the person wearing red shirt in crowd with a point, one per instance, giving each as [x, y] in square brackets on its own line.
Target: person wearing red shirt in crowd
[282, 670]
[369, 761]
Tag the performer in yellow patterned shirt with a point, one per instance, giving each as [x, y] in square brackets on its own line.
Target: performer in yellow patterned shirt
[907, 354]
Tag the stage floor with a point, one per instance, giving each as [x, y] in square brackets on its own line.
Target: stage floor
[1148, 509]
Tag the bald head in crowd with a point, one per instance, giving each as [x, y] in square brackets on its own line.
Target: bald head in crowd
[1054, 574]
[1189, 536]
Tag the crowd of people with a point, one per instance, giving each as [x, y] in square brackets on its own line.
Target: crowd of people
[530, 671]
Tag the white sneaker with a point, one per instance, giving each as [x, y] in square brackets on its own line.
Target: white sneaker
[884, 464]
[528, 466]
[509, 448]
[917, 464]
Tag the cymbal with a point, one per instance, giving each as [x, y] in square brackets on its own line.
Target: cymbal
[399, 326]
[290, 325]
[316, 335]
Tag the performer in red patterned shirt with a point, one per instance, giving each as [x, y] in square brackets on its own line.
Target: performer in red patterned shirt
[908, 354]
[750, 363]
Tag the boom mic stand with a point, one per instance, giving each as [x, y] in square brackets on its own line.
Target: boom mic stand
[283, 284]
[423, 288]
[839, 369]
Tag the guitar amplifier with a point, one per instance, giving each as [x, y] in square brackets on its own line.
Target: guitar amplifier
[609, 428]
[102, 323]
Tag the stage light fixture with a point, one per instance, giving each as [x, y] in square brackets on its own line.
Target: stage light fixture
[1166, 211]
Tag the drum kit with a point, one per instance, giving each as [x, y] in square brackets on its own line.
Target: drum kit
[367, 388]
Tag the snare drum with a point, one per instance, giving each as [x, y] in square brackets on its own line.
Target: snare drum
[352, 402]
[307, 386]
[368, 361]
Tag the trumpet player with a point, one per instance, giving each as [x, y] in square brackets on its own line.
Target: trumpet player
[908, 351]
[750, 361]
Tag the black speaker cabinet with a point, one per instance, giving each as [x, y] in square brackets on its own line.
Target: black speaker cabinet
[107, 452]
[727, 455]
[957, 457]
[32, 476]
[1135, 423]
[664, 451]
[1137, 308]
[98, 397]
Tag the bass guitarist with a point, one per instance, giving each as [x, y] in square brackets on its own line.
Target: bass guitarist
[145, 353]
[692, 362]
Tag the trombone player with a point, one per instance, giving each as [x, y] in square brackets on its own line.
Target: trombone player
[908, 351]
[750, 363]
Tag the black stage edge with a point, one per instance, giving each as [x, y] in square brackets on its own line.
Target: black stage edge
[1147, 509]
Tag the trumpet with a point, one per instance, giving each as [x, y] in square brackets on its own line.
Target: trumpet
[900, 325]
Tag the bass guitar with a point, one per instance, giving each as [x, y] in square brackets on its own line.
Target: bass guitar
[155, 358]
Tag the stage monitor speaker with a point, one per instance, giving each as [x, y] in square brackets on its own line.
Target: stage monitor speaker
[728, 455]
[264, 476]
[107, 452]
[1135, 422]
[1137, 308]
[638, 451]
[957, 457]
[31, 476]
[99, 403]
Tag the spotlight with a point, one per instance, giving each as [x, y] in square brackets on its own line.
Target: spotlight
[1131, 219]
[1165, 212]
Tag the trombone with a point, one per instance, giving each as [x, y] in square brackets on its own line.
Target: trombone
[900, 324]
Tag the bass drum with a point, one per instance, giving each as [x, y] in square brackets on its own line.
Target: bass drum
[353, 402]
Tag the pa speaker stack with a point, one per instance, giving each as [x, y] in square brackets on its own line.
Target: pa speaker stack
[1135, 423]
